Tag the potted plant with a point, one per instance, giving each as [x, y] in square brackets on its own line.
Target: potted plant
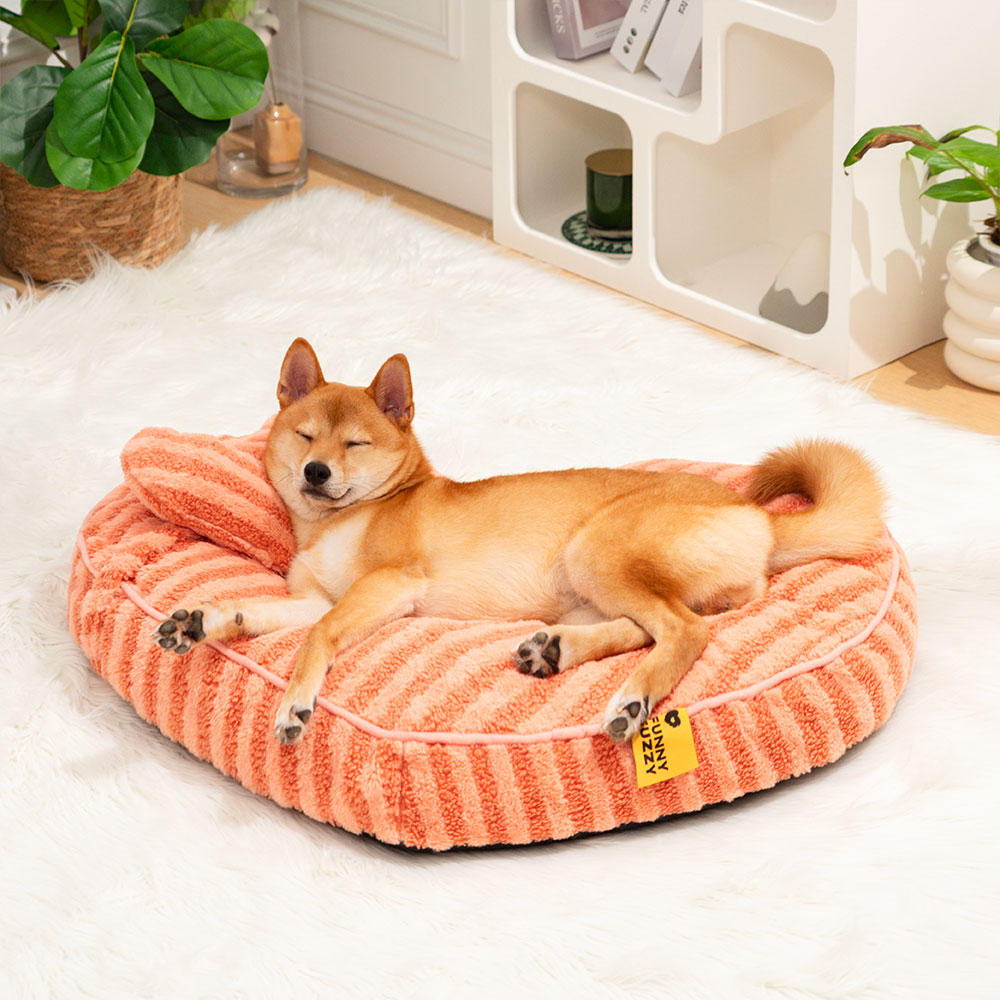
[972, 323]
[93, 152]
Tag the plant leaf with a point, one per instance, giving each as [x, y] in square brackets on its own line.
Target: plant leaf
[178, 140]
[78, 11]
[27, 102]
[143, 20]
[876, 138]
[84, 173]
[957, 152]
[103, 110]
[215, 69]
[970, 150]
[30, 28]
[956, 132]
[205, 10]
[962, 189]
[936, 161]
[52, 15]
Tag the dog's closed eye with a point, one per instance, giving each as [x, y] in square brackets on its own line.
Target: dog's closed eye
[357, 444]
[302, 434]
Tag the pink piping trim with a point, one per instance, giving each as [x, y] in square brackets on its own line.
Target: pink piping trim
[551, 735]
[744, 694]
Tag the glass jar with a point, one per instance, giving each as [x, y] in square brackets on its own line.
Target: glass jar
[264, 153]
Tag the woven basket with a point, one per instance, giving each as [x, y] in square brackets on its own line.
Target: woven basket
[50, 233]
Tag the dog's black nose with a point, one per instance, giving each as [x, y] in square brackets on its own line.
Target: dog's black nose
[316, 473]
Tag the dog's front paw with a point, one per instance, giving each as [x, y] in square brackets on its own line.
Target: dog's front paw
[539, 655]
[292, 719]
[626, 713]
[189, 627]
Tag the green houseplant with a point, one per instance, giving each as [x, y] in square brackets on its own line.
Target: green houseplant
[156, 85]
[977, 162]
[971, 324]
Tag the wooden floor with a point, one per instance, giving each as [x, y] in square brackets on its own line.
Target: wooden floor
[920, 381]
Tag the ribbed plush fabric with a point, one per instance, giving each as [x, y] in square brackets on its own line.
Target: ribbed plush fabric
[425, 734]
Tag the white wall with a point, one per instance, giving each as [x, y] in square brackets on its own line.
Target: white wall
[16, 51]
[401, 89]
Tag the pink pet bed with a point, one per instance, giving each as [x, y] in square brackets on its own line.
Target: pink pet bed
[426, 735]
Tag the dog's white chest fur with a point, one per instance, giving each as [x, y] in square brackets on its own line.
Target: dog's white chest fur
[333, 558]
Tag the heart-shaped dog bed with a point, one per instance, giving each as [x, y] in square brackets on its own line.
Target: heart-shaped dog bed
[425, 734]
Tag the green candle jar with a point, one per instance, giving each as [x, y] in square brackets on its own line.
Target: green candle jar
[609, 194]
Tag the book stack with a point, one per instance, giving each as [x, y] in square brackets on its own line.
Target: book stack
[582, 27]
[664, 36]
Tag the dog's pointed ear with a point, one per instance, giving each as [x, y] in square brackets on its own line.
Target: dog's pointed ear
[393, 391]
[300, 372]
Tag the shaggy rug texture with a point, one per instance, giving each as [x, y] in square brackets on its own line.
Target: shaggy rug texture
[129, 868]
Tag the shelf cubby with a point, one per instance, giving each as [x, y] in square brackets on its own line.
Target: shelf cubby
[729, 181]
[744, 204]
[554, 136]
[597, 76]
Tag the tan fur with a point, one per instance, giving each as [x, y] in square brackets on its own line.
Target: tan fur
[848, 502]
[614, 559]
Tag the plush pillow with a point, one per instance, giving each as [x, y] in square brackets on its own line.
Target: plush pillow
[425, 734]
[216, 486]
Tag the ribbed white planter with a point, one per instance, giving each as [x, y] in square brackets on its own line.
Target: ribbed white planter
[972, 323]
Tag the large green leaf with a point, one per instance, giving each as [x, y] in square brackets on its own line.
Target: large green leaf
[50, 14]
[85, 173]
[27, 102]
[963, 189]
[178, 140]
[31, 28]
[143, 20]
[215, 69]
[103, 110]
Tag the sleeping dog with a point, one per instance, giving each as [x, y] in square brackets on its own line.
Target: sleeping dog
[611, 559]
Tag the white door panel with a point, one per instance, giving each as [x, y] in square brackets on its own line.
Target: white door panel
[401, 88]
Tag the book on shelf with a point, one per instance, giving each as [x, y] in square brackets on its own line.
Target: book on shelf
[674, 54]
[582, 27]
[636, 32]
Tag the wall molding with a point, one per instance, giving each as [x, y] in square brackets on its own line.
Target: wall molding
[443, 37]
[397, 121]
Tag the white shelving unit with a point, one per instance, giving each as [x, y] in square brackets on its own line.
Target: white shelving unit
[727, 182]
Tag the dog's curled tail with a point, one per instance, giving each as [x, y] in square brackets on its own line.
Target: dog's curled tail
[845, 520]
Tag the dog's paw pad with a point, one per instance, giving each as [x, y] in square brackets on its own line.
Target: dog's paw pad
[625, 716]
[539, 655]
[291, 722]
[289, 734]
[181, 631]
[188, 627]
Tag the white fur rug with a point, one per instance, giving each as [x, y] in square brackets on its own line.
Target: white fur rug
[130, 868]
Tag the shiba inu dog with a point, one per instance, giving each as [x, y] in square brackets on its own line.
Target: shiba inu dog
[611, 559]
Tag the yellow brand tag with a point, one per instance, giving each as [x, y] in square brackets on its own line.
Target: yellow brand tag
[664, 748]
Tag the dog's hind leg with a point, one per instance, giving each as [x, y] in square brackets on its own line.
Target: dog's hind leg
[633, 579]
[578, 639]
[680, 636]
